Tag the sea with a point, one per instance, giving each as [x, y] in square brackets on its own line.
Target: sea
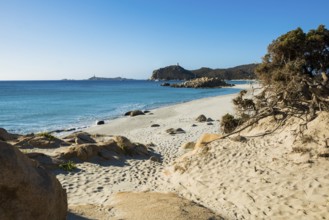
[46, 106]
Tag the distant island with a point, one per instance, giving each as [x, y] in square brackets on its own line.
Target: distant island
[105, 78]
[176, 72]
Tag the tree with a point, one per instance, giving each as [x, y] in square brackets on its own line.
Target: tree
[291, 70]
[294, 74]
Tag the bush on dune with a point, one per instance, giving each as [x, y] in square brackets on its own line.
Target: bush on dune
[294, 75]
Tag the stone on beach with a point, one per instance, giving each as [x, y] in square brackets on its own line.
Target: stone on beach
[28, 191]
[201, 118]
[134, 113]
[100, 122]
[175, 131]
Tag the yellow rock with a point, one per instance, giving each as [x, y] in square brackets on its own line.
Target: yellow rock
[205, 139]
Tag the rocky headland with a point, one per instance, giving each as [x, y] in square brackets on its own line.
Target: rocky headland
[176, 72]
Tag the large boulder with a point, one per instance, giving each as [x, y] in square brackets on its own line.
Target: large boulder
[115, 147]
[28, 191]
[83, 152]
[5, 136]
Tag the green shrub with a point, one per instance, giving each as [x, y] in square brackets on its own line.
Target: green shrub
[46, 135]
[229, 123]
[68, 166]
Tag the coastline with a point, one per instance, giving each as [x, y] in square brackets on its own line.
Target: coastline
[214, 107]
[144, 175]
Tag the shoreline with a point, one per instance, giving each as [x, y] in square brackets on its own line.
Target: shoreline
[66, 131]
[140, 175]
[166, 112]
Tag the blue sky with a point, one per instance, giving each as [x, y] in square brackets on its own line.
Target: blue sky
[56, 39]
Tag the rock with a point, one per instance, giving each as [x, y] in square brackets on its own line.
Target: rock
[83, 152]
[179, 130]
[155, 206]
[201, 118]
[5, 136]
[136, 112]
[194, 125]
[127, 113]
[155, 159]
[203, 82]
[118, 145]
[205, 139]
[209, 123]
[209, 120]
[239, 138]
[188, 145]
[175, 131]
[80, 138]
[165, 84]
[28, 191]
[40, 141]
[44, 160]
[100, 122]
[130, 148]
[155, 125]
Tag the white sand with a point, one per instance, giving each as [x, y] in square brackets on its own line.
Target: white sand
[95, 184]
[259, 179]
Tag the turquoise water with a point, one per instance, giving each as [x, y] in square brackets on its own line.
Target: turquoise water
[35, 106]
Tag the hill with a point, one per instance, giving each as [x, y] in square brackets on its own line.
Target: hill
[176, 72]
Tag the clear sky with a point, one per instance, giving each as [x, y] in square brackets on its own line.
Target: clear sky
[75, 39]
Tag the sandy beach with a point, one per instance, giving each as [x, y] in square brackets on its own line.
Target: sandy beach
[258, 177]
[96, 184]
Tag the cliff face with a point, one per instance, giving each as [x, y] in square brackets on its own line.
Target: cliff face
[174, 72]
[179, 73]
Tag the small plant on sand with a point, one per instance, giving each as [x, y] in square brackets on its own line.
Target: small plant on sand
[229, 123]
[68, 166]
[46, 135]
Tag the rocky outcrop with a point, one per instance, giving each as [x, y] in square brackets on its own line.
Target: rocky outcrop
[5, 136]
[174, 72]
[179, 73]
[203, 82]
[28, 191]
[115, 147]
[40, 141]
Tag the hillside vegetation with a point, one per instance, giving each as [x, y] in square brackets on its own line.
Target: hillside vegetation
[176, 72]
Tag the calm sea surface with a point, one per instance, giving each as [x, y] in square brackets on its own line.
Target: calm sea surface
[35, 106]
